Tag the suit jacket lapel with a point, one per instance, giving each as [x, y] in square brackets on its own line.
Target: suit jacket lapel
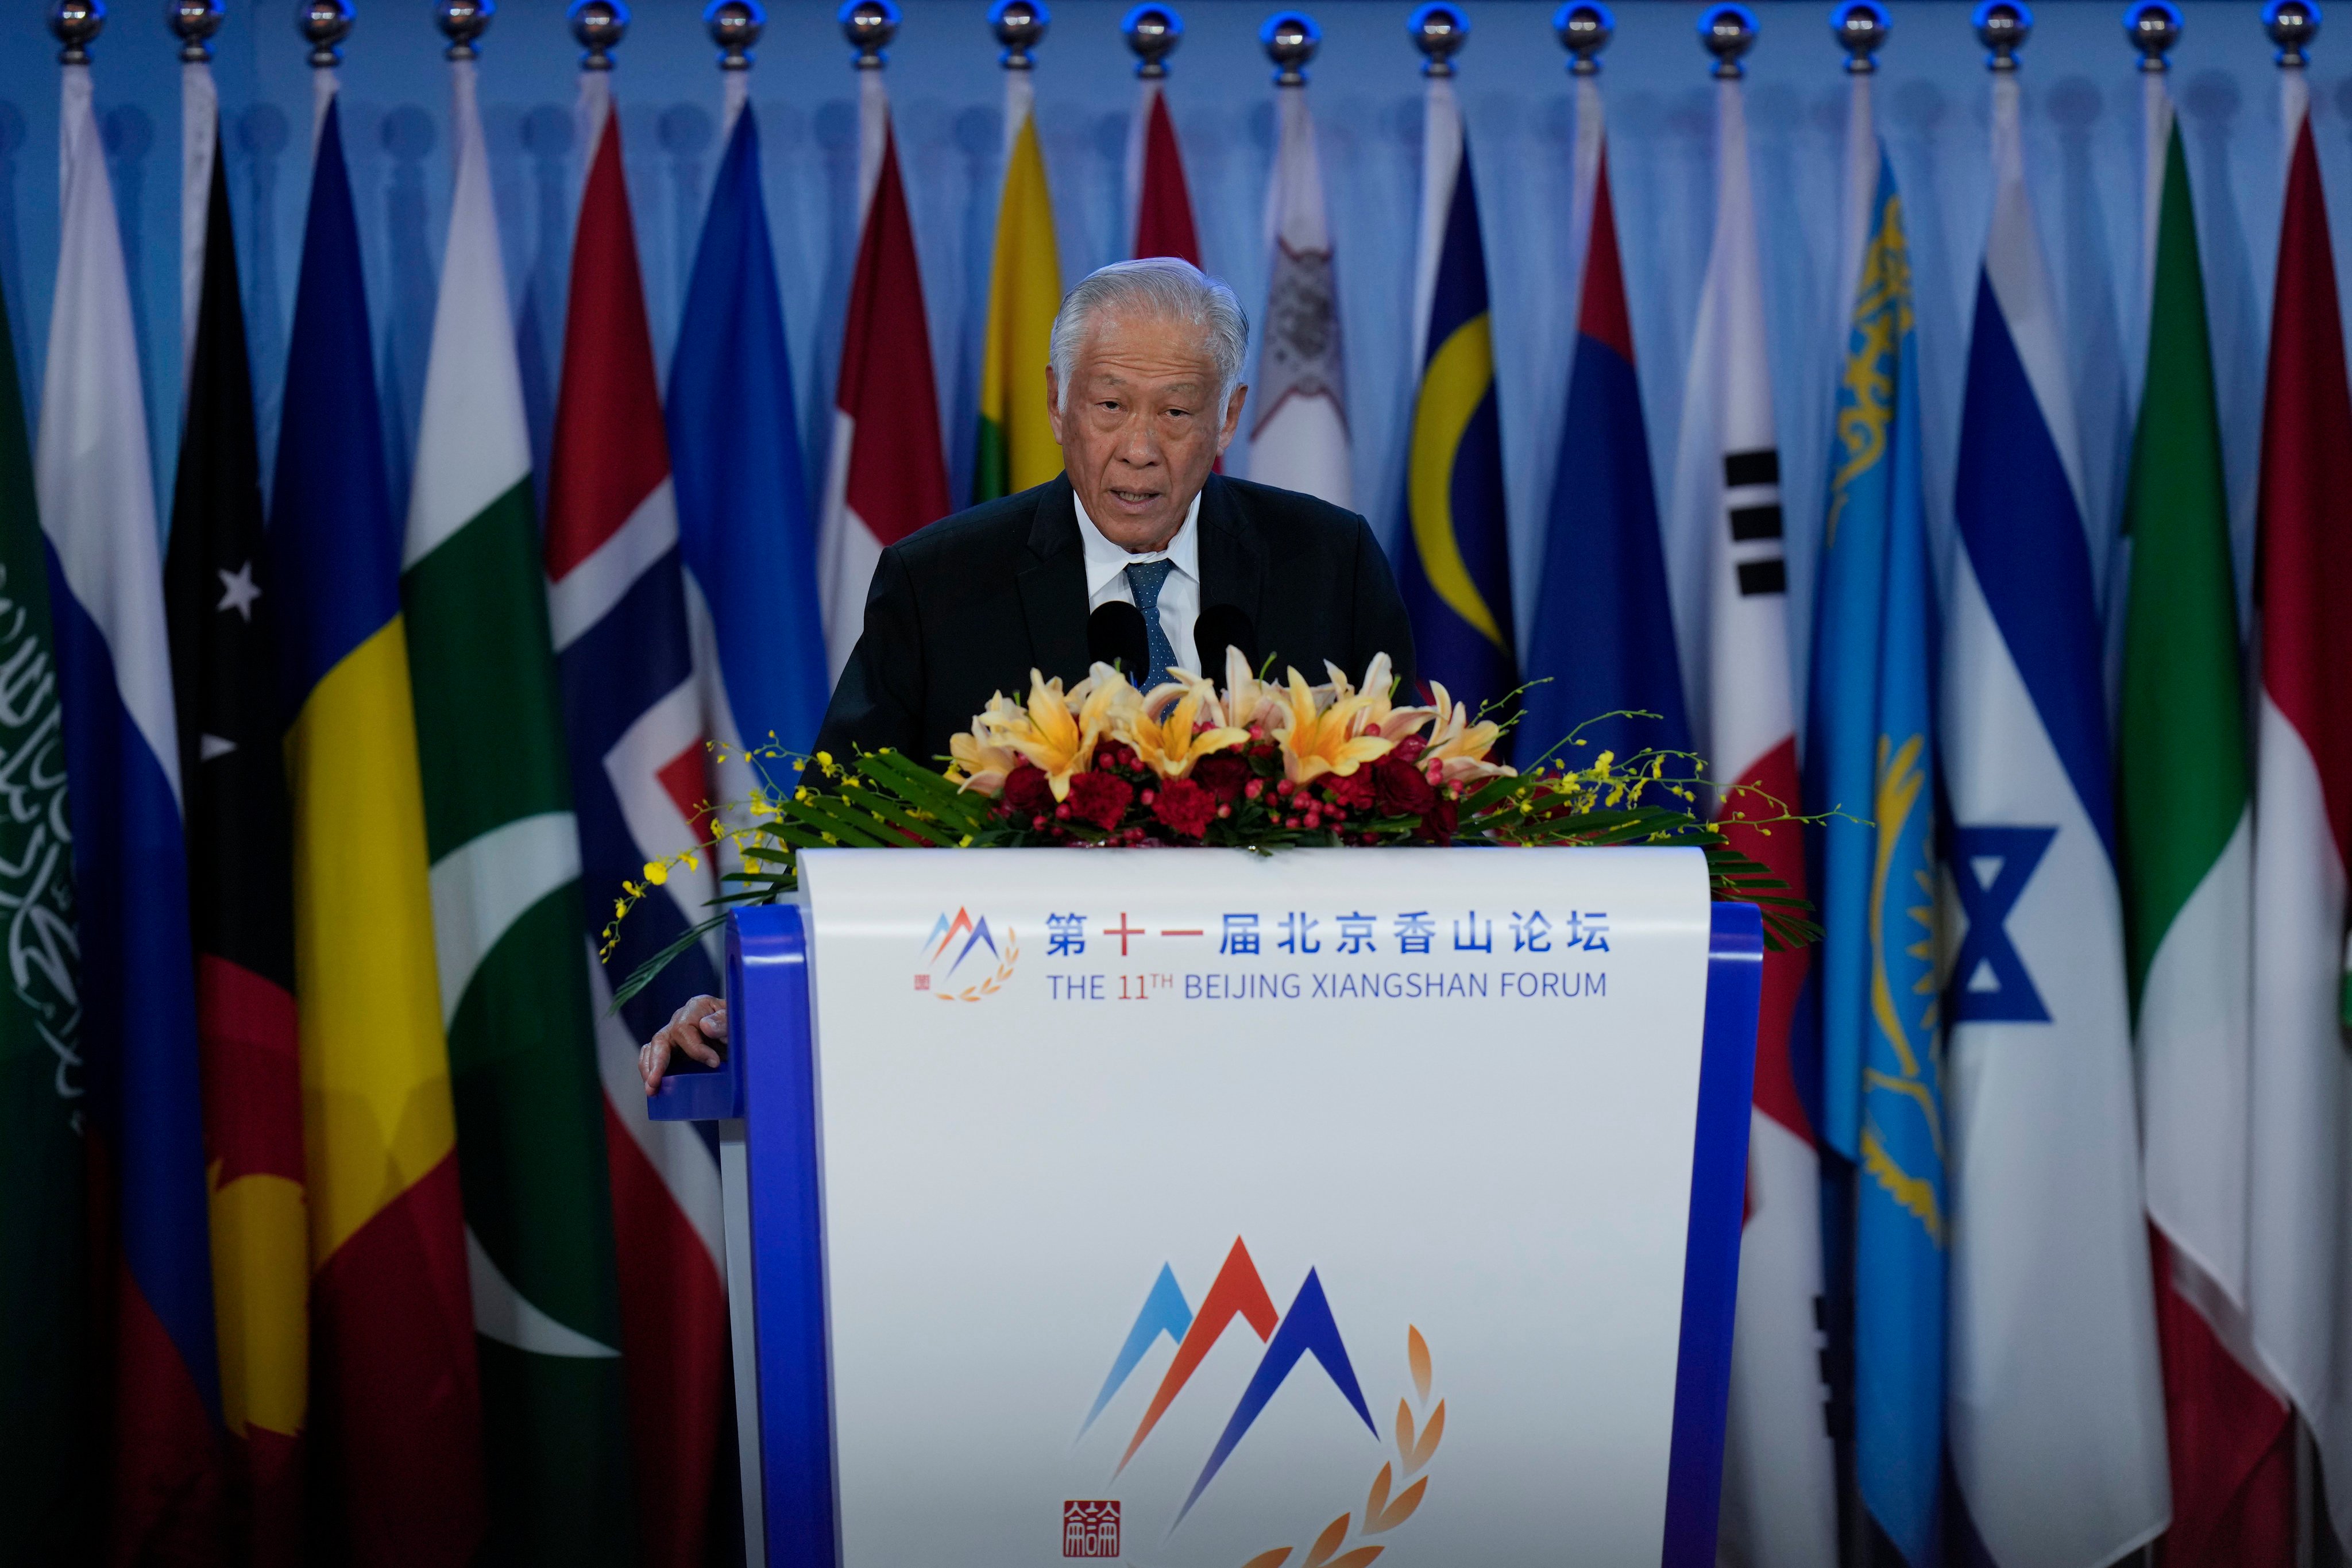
[1233, 565]
[1054, 586]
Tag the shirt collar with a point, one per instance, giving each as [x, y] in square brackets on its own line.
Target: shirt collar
[1106, 560]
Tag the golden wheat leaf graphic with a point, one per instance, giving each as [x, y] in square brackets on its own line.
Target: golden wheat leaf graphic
[1274, 1559]
[1378, 1500]
[1358, 1558]
[1416, 1350]
[1431, 1435]
[1335, 1534]
[1396, 1513]
[1405, 1428]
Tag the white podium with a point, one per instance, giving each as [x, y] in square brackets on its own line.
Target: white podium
[1194, 1207]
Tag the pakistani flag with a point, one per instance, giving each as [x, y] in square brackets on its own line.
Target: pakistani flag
[2187, 862]
[46, 1467]
[506, 868]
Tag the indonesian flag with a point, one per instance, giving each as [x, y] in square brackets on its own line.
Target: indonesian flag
[634, 717]
[1155, 180]
[2299, 1251]
[1728, 503]
[1299, 441]
[887, 476]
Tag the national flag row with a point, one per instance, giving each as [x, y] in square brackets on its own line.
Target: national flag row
[334, 1228]
[2049, 1207]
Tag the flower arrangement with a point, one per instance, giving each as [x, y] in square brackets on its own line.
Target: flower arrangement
[1256, 766]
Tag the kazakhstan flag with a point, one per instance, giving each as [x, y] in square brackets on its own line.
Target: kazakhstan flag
[1873, 758]
[1456, 572]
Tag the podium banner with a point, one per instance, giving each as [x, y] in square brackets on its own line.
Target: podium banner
[1203, 1209]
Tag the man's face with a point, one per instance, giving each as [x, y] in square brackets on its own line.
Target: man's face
[1139, 428]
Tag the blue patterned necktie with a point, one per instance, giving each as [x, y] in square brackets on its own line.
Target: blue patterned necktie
[1143, 580]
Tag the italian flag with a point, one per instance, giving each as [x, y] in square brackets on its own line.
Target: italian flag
[2186, 859]
[2300, 1251]
[506, 868]
[1016, 447]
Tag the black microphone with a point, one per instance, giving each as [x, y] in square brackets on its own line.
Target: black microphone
[1114, 635]
[1222, 626]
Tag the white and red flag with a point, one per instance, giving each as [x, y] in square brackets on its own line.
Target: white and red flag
[1727, 521]
[2299, 1251]
[618, 611]
[1163, 222]
[1299, 438]
[887, 476]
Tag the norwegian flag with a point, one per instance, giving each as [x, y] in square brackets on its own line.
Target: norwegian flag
[617, 608]
[887, 476]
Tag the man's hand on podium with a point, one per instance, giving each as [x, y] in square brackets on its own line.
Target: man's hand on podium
[698, 1028]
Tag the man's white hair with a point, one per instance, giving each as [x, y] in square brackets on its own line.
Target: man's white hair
[1157, 286]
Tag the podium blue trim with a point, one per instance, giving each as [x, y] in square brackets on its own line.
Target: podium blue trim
[768, 1081]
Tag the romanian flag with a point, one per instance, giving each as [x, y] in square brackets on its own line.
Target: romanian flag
[1016, 447]
[1456, 572]
[396, 1419]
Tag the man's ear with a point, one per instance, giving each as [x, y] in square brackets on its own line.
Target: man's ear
[1233, 419]
[1054, 402]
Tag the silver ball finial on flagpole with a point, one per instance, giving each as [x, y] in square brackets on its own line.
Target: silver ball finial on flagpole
[1862, 28]
[1290, 39]
[1728, 32]
[2292, 25]
[1019, 26]
[1438, 31]
[1152, 32]
[76, 23]
[735, 26]
[463, 23]
[869, 26]
[324, 25]
[1585, 27]
[599, 26]
[2002, 26]
[193, 23]
[2153, 26]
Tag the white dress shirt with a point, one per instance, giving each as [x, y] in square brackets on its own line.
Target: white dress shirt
[1180, 594]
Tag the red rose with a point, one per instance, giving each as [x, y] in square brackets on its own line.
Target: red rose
[1224, 774]
[1099, 798]
[1186, 807]
[1438, 822]
[1027, 791]
[1397, 787]
[1354, 791]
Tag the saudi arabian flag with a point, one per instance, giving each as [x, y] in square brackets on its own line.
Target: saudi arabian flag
[506, 868]
[2186, 827]
[1016, 447]
[46, 1467]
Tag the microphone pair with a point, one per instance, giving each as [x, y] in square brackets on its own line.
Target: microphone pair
[1116, 636]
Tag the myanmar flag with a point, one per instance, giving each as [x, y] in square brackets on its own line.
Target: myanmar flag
[1016, 447]
[506, 874]
[396, 1419]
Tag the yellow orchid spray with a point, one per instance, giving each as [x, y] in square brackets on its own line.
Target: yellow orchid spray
[1458, 747]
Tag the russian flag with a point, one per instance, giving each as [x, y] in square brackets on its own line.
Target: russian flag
[96, 493]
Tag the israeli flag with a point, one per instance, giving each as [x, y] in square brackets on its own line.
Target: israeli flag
[2055, 1408]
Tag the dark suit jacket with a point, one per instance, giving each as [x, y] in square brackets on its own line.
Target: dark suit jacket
[968, 606]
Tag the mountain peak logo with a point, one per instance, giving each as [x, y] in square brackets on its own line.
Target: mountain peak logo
[952, 944]
[1237, 1294]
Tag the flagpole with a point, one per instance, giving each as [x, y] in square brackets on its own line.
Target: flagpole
[1585, 27]
[195, 22]
[1152, 33]
[2153, 29]
[1438, 31]
[735, 26]
[1020, 27]
[1862, 30]
[324, 25]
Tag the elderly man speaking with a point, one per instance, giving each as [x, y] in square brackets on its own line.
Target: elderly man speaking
[1145, 393]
